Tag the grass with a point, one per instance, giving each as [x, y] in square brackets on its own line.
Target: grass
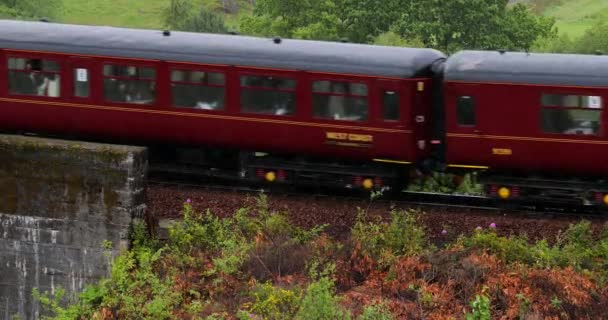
[145, 14]
[576, 16]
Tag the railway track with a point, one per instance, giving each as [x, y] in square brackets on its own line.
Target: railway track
[455, 202]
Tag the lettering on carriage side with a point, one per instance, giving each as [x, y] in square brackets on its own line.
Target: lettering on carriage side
[349, 137]
[502, 152]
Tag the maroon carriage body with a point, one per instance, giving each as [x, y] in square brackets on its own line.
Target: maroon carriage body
[87, 63]
[526, 113]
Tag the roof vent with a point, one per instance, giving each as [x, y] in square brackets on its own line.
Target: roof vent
[44, 20]
[277, 40]
[502, 51]
[234, 33]
[166, 33]
[598, 52]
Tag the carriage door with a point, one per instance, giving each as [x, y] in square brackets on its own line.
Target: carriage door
[80, 82]
[394, 112]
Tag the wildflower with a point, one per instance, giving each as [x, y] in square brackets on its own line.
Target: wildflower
[188, 201]
[493, 225]
[479, 228]
[444, 232]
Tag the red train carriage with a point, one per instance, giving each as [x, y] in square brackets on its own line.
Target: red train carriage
[533, 121]
[295, 100]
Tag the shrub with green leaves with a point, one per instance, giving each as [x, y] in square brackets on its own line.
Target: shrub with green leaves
[275, 303]
[320, 303]
[403, 235]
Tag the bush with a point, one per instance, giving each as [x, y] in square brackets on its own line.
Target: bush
[376, 312]
[319, 303]
[275, 303]
[404, 235]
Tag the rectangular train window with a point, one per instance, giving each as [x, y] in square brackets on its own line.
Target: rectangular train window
[465, 111]
[130, 84]
[34, 77]
[338, 100]
[268, 95]
[571, 114]
[391, 105]
[81, 83]
[198, 89]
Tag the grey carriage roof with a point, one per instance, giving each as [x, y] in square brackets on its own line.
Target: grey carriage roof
[528, 68]
[319, 56]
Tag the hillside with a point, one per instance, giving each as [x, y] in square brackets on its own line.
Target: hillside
[575, 16]
[131, 13]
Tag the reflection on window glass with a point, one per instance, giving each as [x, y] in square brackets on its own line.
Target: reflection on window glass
[391, 105]
[198, 89]
[338, 100]
[339, 107]
[573, 121]
[267, 102]
[465, 111]
[36, 77]
[571, 101]
[348, 88]
[268, 95]
[130, 84]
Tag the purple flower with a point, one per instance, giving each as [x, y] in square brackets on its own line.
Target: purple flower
[493, 225]
[188, 201]
[444, 232]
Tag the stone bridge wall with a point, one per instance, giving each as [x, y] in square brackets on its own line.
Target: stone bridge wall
[60, 202]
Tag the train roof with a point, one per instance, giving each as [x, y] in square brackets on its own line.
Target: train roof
[528, 68]
[320, 56]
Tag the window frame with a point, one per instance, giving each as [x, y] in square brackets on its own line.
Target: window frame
[197, 68]
[284, 75]
[158, 81]
[58, 59]
[565, 108]
[367, 97]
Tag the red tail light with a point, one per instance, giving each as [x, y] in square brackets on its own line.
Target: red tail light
[281, 175]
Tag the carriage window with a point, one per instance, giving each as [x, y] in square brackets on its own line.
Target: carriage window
[465, 111]
[268, 95]
[571, 114]
[391, 105]
[130, 84]
[198, 89]
[340, 100]
[36, 77]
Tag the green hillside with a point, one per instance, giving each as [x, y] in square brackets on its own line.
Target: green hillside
[575, 16]
[130, 13]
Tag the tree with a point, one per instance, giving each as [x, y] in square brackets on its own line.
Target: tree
[351, 20]
[179, 16]
[445, 25]
[473, 24]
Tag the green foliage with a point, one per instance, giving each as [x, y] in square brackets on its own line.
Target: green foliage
[274, 303]
[473, 24]
[320, 303]
[25, 9]
[480, 308]
[403, 235]
[574, 248]
[180, 15]
[376, 312]
[351, 20]
[391, 38]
